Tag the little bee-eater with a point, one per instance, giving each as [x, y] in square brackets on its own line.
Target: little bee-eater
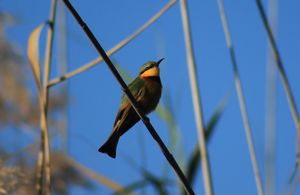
[146, 89]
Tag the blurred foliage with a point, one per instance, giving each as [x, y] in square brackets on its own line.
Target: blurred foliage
[15, 180]
[19, 177]
[64, 174]
[19, 109]
[15, 98]
[18, 103]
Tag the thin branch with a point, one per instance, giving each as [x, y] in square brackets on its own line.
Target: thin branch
[112, 50]
[129, 95]
[208, 186]
[241, 100]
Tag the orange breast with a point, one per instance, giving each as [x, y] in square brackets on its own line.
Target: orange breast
[153, 93]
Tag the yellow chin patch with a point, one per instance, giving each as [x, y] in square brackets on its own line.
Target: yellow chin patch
[152, 72]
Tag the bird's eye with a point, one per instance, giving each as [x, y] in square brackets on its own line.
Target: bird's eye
[148, 66]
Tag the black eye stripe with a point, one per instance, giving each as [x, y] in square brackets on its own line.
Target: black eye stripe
[146, 68]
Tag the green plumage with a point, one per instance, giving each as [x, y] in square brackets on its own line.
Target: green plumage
[147, 92]
[137, 88]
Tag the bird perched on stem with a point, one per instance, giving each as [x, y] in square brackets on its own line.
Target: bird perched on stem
[146, 89]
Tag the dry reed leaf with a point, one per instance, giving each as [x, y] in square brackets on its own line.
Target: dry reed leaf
[33, 53]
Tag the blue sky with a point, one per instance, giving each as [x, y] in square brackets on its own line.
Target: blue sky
[92, 112]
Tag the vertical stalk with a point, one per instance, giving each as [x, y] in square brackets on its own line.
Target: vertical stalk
[270, 99]
[48, 55]
[39, 171]
[241, 99]
[62, 69]
[45, 170]
[196, 99]
[44, 185]
[48, 52]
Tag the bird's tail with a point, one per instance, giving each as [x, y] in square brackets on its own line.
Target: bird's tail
[110, 146]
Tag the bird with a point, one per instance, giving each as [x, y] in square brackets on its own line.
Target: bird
[146, 89]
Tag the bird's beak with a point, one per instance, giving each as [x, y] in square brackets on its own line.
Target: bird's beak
[159, 61]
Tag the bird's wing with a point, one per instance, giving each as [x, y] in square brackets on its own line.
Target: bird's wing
[137, 88]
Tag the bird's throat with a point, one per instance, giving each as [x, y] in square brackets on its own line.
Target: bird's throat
[152, 72]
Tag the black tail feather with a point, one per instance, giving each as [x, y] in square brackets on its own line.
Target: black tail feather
[110, 146]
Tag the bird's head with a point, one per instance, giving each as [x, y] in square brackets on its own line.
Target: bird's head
[150, 69]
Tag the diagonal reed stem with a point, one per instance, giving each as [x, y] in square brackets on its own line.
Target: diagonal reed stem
[284, 79]
[280, 67]
[133, 102]
[95, 176]
[112, 50]
[196, 100]
[241, 99]
[295, 185]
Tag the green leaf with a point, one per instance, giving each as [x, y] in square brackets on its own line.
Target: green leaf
[131, 187]
[158, 183]
[149, 179]
[194, 160]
